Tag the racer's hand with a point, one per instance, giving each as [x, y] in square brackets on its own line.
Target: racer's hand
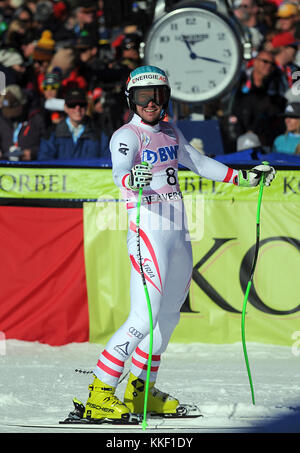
[140, 176]
[251, 178]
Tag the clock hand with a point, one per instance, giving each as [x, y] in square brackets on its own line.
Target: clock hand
[193, 55]
[187, 43]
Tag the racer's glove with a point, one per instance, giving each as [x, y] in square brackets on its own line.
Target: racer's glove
[140, 176]
[251, 178]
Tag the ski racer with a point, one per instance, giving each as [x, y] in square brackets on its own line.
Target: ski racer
[165, 246]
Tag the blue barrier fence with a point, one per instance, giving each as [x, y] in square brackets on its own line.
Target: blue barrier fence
[249, 157]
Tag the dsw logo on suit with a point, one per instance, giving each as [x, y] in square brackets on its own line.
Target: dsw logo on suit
[161, 155]
[245, 268]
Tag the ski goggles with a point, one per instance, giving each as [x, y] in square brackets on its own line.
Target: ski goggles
[142, 96]
[54, 86]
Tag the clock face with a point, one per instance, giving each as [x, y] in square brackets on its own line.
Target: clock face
[198, 49]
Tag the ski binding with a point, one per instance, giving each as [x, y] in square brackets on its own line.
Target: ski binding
[76, 416]
[182, 411]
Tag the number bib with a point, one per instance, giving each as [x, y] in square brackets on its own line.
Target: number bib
[160, 149]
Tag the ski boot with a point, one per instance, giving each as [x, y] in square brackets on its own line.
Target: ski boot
[103, 404]
[158, 402]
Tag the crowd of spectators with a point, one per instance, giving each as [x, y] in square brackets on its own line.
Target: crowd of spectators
[66, 63]
[65, 74]
[257, 110]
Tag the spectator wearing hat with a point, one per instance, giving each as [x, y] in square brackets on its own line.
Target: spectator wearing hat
[74, 137]
[285, 48]
[287, 142]
[287, 16]
[42, 55]
[21, 129]
[52, 98]
[52, 83]
[45, 47]
[12, 65]
[130, 48]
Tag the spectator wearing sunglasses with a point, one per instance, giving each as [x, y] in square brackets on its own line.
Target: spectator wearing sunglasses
[285, 47]
[52, 98]
[258, 101]
[74, 137]
[52, 83]
[287, 17]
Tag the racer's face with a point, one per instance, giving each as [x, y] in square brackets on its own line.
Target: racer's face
[150, 113]
[149, 102]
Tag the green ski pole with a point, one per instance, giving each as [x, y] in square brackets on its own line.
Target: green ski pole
[144, 422]
[262, 181]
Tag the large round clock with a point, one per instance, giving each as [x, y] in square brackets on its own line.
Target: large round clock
[200, 50]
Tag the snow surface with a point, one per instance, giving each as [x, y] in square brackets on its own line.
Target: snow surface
[38, 383]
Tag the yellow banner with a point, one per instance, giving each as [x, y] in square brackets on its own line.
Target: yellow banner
[96, 183]
[223, 255]
[56, 183]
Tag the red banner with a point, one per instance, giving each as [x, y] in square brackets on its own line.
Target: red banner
[42, 275]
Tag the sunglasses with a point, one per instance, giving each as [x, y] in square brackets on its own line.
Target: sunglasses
[55, 86]
[72, 105]
[142, 96]
[266, 61]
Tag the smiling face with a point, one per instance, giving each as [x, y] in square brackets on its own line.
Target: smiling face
[76, 112]
[149, 114]
[149, 102]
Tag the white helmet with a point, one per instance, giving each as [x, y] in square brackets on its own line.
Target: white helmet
[147, 75]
